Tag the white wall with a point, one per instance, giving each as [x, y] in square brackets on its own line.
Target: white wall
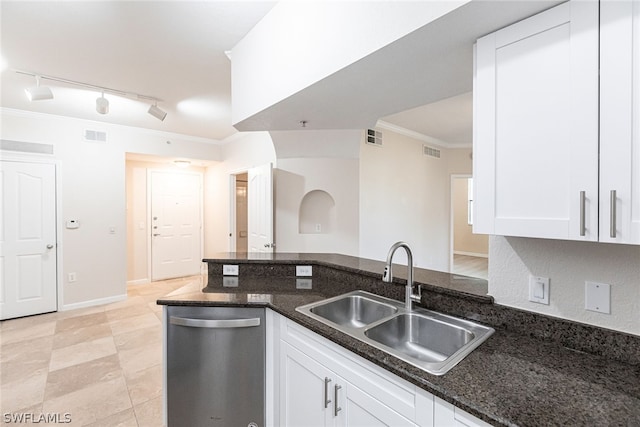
[568, 264]
[297, 177]
[240, 153]
[405, 195]
[299, 43]
[92, 189]
[325, 160]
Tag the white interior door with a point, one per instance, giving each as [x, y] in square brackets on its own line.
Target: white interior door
[27, 239]
[176, 231]
[260, 209]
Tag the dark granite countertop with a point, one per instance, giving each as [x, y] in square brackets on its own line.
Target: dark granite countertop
[511, 379]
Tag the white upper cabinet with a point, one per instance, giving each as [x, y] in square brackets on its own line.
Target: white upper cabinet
[536, 126]
[620, 121]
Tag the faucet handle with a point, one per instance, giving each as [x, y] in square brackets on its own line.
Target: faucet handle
[417, 296]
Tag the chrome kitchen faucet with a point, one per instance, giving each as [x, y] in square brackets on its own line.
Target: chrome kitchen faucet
[387, 275]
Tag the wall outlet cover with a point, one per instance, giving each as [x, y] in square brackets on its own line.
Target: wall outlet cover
[304, 283]
[304, 270]
[229, 270]
[597, 297]
[230, 282]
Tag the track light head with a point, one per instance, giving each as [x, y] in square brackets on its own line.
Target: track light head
[157, 112]
[102, 104]
[38, 93]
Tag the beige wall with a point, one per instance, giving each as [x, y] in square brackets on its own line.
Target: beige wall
[464, 241]
[405, 195]
[568, 265]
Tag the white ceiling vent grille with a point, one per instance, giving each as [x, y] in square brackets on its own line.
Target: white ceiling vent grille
[430, 151]
[95, 135]
[374, 137]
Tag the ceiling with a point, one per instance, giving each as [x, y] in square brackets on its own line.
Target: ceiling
[166, 49]
[170, 50]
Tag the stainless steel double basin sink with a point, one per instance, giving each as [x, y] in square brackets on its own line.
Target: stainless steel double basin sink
[431, 341]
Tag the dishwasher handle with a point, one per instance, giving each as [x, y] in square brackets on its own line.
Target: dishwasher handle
[213, 323]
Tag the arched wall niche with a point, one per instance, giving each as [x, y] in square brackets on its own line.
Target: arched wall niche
[317, 213]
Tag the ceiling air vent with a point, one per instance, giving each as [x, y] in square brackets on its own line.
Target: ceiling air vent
[95, 135]
[374, 137]
[430, 151]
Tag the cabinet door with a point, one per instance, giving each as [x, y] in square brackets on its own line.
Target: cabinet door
[445, 414]
[306, 389]
[536, 126]
[620, 121]
[362, 410]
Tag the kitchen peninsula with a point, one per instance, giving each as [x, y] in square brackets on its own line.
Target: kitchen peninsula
[534, 370]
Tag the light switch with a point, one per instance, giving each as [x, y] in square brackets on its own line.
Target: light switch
[539, 289]
[597, 297]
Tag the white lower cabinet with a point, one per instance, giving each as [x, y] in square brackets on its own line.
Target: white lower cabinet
[322, 384]
[445, 414]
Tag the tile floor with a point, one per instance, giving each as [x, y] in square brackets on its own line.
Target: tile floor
[101, 365]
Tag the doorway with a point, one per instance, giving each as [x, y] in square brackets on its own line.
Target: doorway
[241, 231]
[251, 210]
[177, 250]
[469, 251]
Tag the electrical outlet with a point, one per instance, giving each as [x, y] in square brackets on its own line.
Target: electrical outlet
[539, 289]
[71, 277]
[304, 283]
[229, 270]
[304, 270]
[230, 282]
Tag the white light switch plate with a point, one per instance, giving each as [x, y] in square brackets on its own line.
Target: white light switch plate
[304, 270]
[539, 289]
[229, 270]
[597, 297]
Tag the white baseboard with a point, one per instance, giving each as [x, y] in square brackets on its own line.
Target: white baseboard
[471, 254]
[138, 282]
[91, 303]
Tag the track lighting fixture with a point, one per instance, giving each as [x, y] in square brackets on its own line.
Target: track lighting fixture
[38, 93]
[156, 112]
[102, 104]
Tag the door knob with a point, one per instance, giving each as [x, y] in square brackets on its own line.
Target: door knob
[155, 234]
[49, 246]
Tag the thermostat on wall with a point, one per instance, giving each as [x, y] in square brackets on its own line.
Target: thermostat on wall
[73, 224]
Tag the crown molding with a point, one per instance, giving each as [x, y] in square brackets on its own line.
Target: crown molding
[419, 136]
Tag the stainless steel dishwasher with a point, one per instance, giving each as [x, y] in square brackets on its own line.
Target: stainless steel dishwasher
[215, 366]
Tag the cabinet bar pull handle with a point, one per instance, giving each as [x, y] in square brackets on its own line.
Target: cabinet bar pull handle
[326, 392]
[612, 220]
[583, 229]
[336, 408]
